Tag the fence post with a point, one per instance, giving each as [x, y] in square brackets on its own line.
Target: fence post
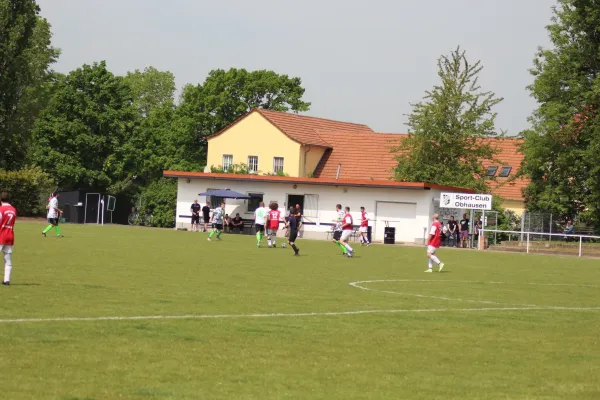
[527, 242]
[550, 236]
[580, 240]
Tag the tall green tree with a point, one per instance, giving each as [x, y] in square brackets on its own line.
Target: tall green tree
[562, 147]
[151, 89]
[83, 138]
[160, 133]
[25, 75]
[444, 144]
[226, 95]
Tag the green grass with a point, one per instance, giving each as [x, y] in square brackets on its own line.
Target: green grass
[455, 353]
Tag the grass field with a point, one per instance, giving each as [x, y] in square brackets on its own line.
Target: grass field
[237, 322]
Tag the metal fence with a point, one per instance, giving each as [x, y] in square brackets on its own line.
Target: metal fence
[542, 243]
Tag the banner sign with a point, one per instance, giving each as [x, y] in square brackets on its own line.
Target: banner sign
[466, 201]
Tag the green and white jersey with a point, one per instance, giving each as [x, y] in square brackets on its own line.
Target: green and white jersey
[340, 219]
[218, 215]
[260, 216]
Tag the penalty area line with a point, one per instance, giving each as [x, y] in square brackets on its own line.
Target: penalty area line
[283, 315]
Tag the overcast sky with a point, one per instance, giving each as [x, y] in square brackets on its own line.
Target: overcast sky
[360, 61]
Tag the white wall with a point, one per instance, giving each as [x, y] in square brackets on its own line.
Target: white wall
[329, 196]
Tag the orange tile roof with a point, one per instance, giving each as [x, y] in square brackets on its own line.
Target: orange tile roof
[361, 155]
[368, 155]
[314, 181]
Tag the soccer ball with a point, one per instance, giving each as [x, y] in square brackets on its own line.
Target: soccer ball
[283, 245]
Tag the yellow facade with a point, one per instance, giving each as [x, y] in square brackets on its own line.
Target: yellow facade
[311, 156]
[255, 136]
[514, 205]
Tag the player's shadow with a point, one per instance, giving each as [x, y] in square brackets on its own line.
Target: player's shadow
[25, 284]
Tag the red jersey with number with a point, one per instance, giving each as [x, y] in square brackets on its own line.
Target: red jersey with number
[274, 216]
[363, 219]
[435, 235]
[347, 224]
[8, 216]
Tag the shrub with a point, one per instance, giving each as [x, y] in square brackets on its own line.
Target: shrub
[28, 189]
[159, 198]
[240, 169]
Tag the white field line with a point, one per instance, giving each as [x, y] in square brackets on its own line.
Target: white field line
[359, 285]
[281, 315]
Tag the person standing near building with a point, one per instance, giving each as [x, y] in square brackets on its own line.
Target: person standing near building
[463, 229]
[274, 218]
[292, 227]
[8, 216]
[298, 214]
[453, 231]
[364, 227]
[337, 229]
[435, 239]
[53, 215]
[347, 226]
[195, 209]
[260, 218]
[206, 215]
[217, 222]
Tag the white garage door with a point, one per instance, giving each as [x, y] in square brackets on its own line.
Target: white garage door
[402, 216]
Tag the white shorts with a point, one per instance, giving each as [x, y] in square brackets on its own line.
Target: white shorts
[431, 249]
[6, 249]
[363, 229]
[346, 235]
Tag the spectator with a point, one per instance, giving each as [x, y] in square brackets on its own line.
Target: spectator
[443, 234]
[237, 223]
[228, 225]
[570, 230]
[477, 230]
[298, 214]
[206, 215]
[463, 229]
[453, 231]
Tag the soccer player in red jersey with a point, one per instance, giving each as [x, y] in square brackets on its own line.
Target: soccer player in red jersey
[364, 227]
[8, 216]
[347, 223]
[435, 239]
[274, 218]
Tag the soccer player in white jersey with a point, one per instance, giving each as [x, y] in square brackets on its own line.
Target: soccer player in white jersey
[53, 215]
[260, 218]
[337, 230]
[347, 225]
[217, 222]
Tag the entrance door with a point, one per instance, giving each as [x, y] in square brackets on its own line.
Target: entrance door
[402, 216]
[92, 208]
[294, 199]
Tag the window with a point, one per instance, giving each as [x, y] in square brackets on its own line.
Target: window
[491, 170]
[254, 201]
[253, 163]
[311, 205]
[505, 172]
[277, 165]
[227, 162]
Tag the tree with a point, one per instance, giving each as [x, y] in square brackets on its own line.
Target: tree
[25, 57]
[561, 148]
[444, 144]
[160, 133]
[83, 138]
[226, 95]
[151, 89]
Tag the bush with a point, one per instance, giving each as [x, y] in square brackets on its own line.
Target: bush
[159, 198]
[28, 189]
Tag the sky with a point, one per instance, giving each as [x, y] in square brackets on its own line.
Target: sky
[359, 61]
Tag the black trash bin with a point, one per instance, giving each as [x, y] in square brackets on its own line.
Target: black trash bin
[369, 233]
[389, 235]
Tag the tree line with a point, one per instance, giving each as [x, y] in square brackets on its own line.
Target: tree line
[92, 129]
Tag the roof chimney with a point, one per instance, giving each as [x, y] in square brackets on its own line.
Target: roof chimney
[337, 175]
